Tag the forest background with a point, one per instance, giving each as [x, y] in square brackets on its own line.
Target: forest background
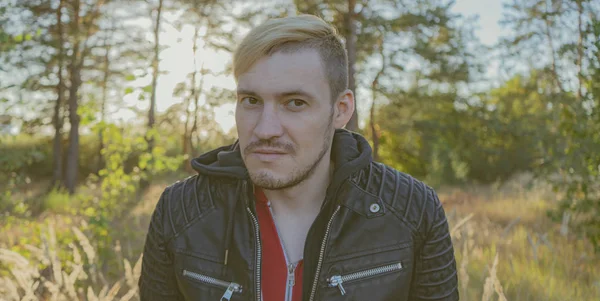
[104, 102]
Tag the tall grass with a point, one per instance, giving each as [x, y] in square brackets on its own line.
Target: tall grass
[505, 246]
[508, 249]
[44, 277]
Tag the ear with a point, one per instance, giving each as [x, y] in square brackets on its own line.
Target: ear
[343, 109]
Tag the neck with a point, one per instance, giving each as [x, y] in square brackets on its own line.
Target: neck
[306, 197]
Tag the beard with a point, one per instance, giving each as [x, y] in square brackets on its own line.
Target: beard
[267, 181]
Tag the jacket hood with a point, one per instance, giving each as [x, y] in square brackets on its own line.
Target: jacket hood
[350, 152]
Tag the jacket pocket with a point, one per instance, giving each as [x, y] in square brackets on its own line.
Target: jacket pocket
[229, 287]
[339, 280]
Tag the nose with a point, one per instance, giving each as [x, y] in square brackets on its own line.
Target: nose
[269, 124]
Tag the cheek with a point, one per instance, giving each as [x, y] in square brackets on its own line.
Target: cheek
[309, 134]
[244, 130]
[243, 121]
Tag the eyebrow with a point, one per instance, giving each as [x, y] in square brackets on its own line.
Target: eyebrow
[278, 95]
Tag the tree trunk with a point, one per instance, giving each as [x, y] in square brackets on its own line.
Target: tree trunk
[187, 135]
[144, 182]
[105, 78]
[351, 48]
[551, 45]
[374, 129]
[75, 71]
[580, 51]
[155, 61]
[373, 124]
[194, 130]
[57, 174]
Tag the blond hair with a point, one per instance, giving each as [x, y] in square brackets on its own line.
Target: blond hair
[292, 34]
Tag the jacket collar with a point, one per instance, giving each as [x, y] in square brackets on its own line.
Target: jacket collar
[360, 201]
[350, 152]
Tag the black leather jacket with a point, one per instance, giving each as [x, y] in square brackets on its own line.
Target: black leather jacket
[380, 235]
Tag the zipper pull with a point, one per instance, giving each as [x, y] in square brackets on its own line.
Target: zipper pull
[291, 274]
[337, 281]
[232, 288]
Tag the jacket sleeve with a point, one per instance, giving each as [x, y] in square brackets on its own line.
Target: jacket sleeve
[435, 276]
[157, 278]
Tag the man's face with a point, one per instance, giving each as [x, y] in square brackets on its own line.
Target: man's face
[284, 118]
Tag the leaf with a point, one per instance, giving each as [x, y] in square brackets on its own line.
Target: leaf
[128, 90]
[142, 97]
[89, 212]
[18, 38]
[147, 89]
[130, 77]
[28, 37]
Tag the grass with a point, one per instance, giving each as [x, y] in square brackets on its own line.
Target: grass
[506, 249]
[77, 279]
[510, 235]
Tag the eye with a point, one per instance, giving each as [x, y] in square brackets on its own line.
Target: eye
[249, 101]
[296, 104]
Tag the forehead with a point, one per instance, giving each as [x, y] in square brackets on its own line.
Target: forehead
[286, 71]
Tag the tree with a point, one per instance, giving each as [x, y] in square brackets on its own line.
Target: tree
[564, 35]
[155, 71]
[82, 28]
[58, 120]
[65, 59]
[208, 19]
[511, 130]
[119, 59]
[53, 60]
[418, 60]
[36, 62]
[375, 131]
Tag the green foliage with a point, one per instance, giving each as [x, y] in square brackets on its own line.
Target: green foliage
[17, 153]
[421, 134]
[87, 113]
[59, 201]
[117, 181]
[568, 31]
[9, 199]
[579, 173]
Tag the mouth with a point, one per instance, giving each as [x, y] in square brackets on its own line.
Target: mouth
[268, 155]
[269, 152]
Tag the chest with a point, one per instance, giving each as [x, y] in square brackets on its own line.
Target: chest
[370, 258]
[291, 232]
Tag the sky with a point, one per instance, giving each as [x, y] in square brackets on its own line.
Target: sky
[489, 12]
[176, 60]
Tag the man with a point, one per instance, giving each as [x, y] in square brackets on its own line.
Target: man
[296, 209]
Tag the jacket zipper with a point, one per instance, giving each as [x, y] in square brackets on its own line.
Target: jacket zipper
[258, 254]
[291, 281]
[338, 280]
[322, 254]
[291, 267]
[230, 287]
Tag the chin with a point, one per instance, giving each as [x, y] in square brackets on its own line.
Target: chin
[268, 180]
[265, 173]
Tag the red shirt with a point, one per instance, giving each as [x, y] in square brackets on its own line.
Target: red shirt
[280, 278]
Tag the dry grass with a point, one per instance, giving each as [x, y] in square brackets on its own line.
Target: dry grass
[78, 279]
[506, 249]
